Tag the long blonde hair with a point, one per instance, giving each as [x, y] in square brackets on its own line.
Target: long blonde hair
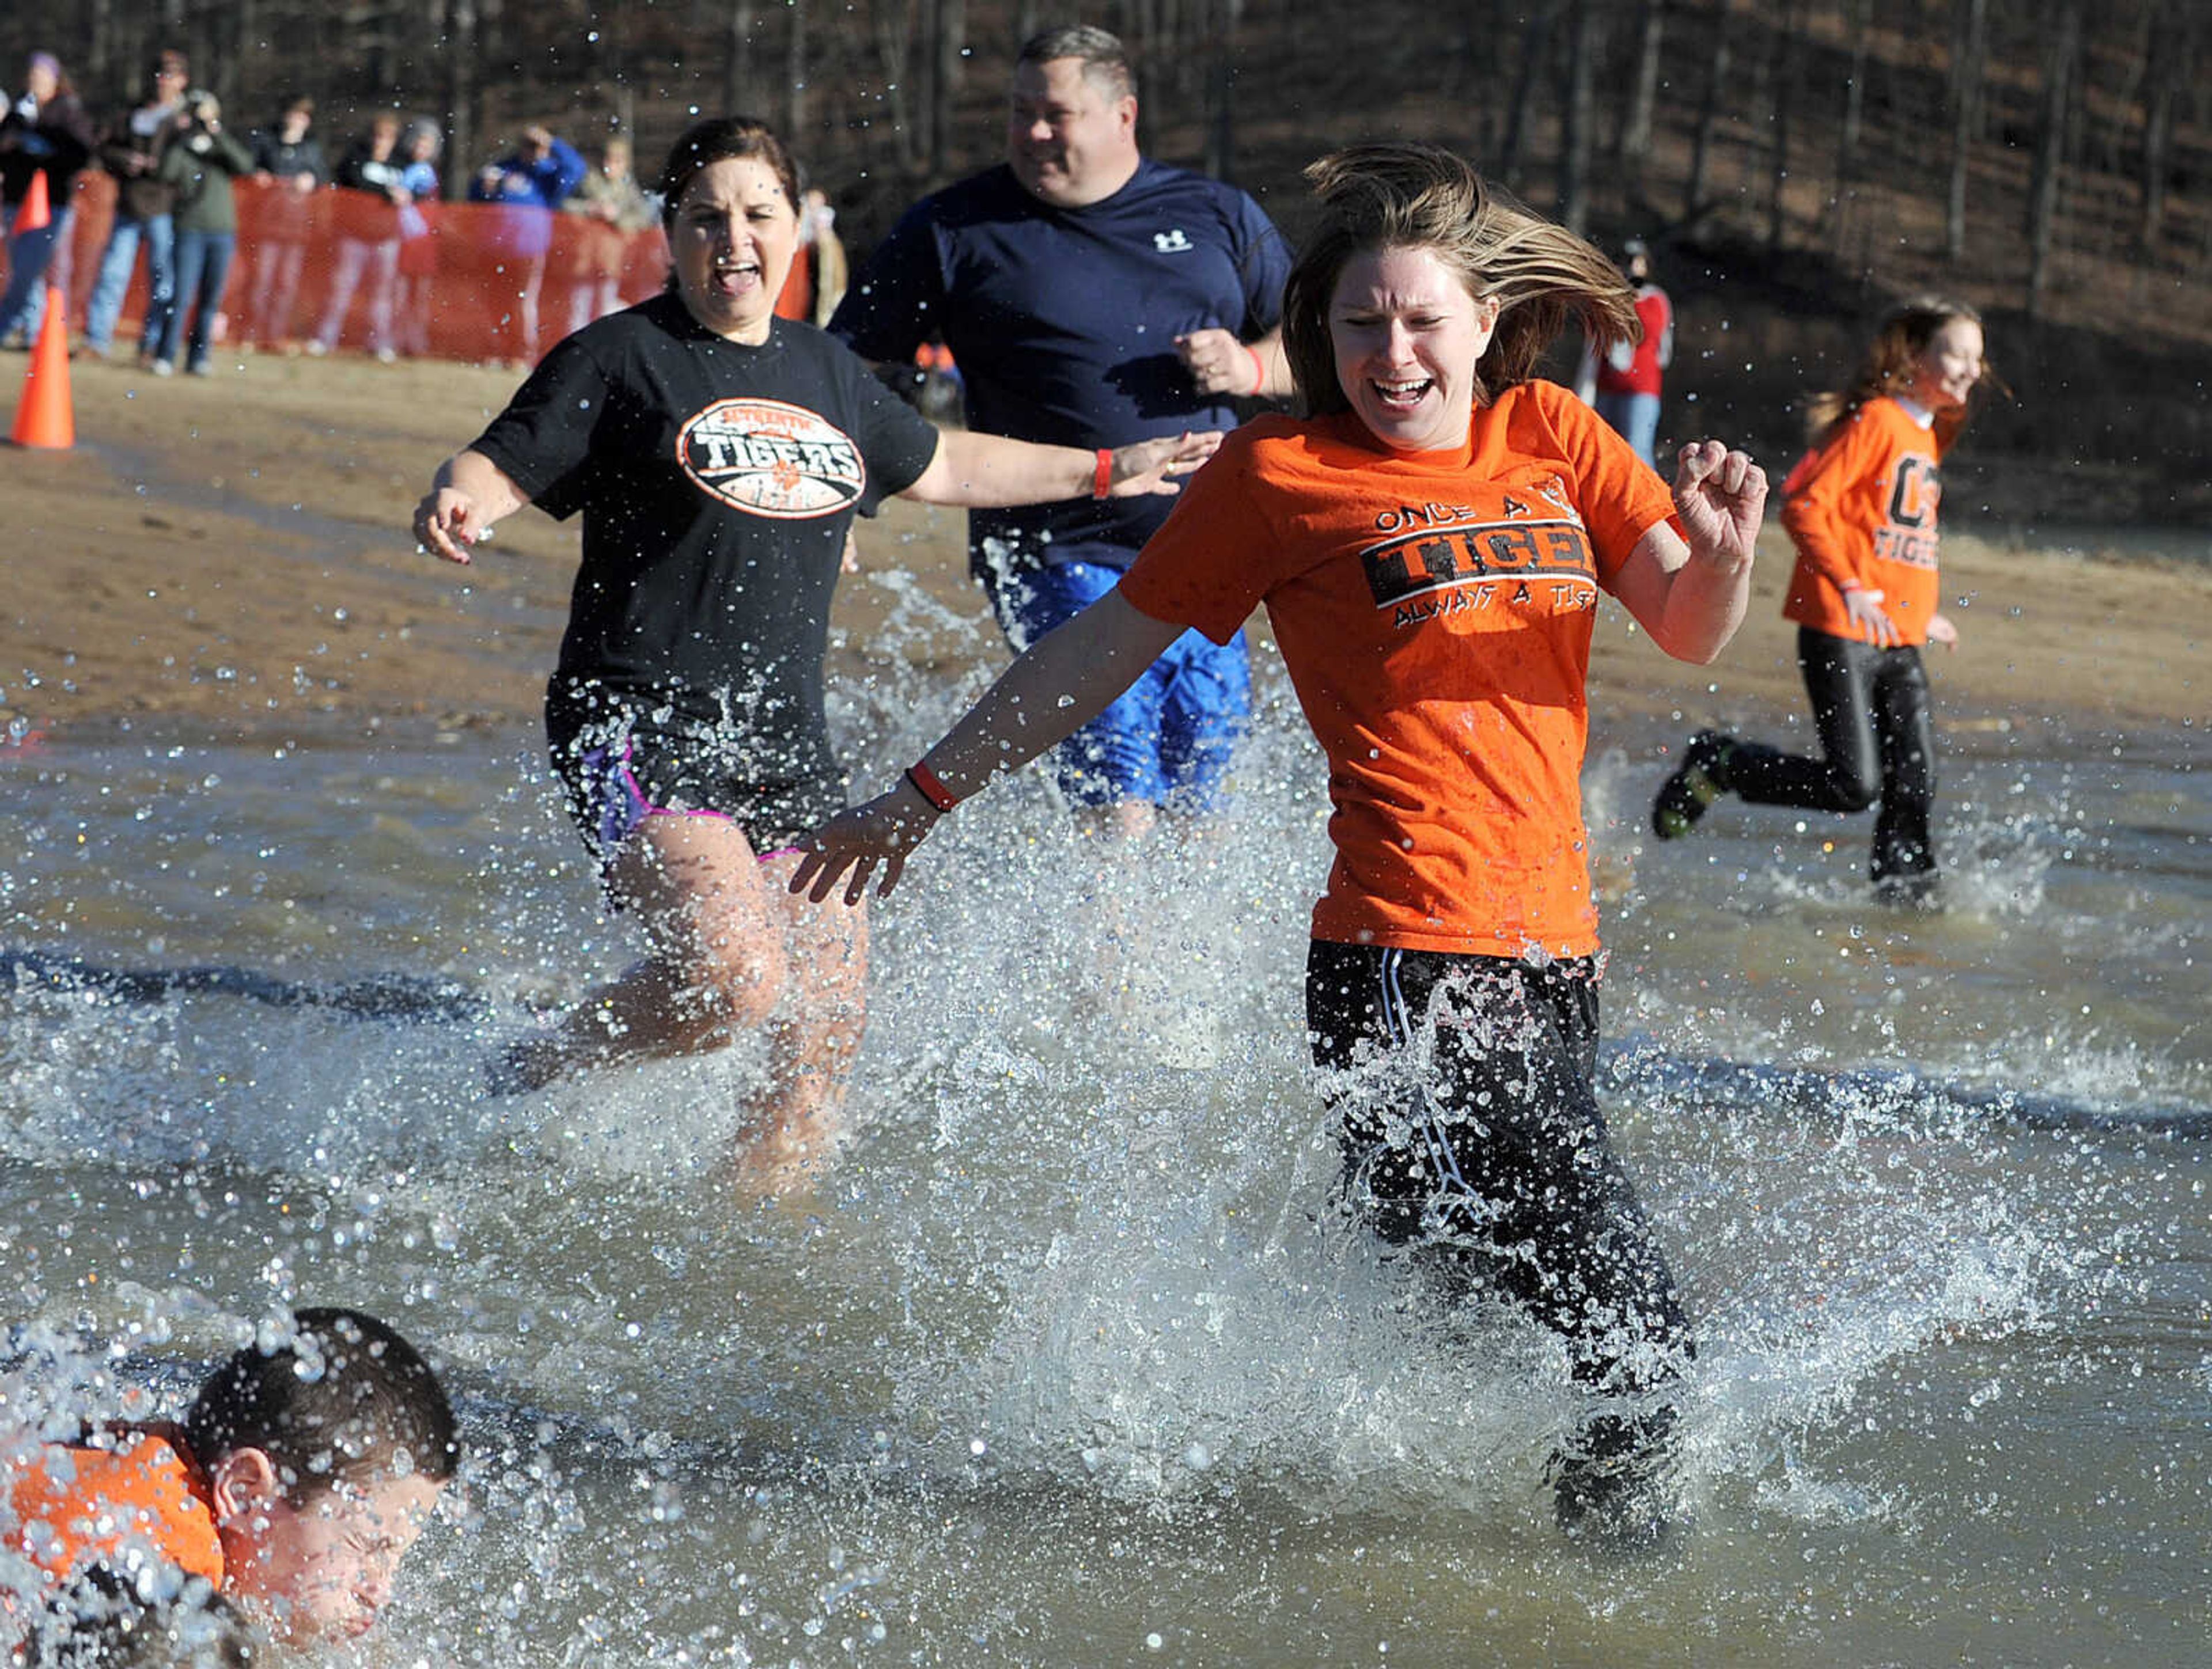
[1423, 196]
[1892, 365]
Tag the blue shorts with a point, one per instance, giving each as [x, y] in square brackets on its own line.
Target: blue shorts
[1168, 738]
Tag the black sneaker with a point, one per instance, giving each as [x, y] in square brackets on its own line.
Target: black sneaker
[1701, 780]
[1611, 1492]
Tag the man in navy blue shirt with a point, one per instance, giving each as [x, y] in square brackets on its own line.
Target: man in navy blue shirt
[1091, 297]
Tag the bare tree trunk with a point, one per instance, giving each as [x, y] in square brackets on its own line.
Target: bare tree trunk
[795, 74]
[1780, 59]
[2172, 46]
[738, 58]
[1634, 149]
[1708, 112]
[1536, 48]
[2059, 66]
[1578, 115]
[945, 84]
[1221, 88]
[1847, 138]
[1969, 38]
[463, 95]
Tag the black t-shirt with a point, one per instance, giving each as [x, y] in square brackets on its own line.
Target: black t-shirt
[717, 481]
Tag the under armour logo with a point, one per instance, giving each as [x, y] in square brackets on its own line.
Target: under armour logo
[1172, 243]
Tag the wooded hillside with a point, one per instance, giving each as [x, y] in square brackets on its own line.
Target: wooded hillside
[1795, 161]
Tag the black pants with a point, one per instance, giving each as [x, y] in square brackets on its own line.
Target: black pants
[1870, 708]
[1471, 1129]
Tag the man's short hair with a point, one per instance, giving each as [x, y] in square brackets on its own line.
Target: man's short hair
[346, 1399]
[1105, 60]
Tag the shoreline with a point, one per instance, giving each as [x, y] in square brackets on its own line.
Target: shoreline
[228, 559]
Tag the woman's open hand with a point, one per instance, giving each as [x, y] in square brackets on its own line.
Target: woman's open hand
[449, 521]
[883, 832]
[1154, 466]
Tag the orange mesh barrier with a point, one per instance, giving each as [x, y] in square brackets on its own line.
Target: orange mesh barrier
[463, 280]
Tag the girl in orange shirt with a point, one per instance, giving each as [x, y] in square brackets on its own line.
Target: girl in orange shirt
[1861, 509]
[1429, 545]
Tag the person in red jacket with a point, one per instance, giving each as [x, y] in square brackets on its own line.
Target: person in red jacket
[1861, 509]
[1622, 379]
[294, 1487]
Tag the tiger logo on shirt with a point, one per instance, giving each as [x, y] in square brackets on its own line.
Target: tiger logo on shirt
[1909, 536]
[1529, 548]
[771, 459]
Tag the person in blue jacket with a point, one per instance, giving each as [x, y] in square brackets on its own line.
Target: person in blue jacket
[528, 183]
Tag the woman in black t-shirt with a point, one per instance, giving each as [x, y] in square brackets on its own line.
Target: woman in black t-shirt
[718, 454]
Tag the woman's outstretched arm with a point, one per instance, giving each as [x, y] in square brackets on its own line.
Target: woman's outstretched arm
[1064, 681]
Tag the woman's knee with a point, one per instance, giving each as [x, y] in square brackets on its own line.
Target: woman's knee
[744, 977]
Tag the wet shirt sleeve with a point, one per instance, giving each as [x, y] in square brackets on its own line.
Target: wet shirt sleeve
[898, 299]
[544, 441]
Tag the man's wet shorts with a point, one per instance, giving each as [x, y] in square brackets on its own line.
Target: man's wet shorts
[1168, 738]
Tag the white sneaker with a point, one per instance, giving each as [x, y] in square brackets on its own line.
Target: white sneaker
[164, 368]
[317, 347]
[387, 356]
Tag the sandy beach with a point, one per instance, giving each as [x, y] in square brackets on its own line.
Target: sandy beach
[229, 556]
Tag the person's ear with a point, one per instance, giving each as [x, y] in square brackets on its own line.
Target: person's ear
[244, 1480]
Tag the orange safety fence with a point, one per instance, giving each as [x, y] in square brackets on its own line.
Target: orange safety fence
[460, 281]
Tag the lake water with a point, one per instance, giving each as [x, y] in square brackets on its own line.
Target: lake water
[1070, 1363]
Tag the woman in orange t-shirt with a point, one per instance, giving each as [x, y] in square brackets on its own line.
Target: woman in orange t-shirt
[1429, 545]
[1861, 509]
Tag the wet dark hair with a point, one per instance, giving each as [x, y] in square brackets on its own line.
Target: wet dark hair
[102, 1621]
[1423, 196]
[722, 139]
[1105, 59]
[345, 1400]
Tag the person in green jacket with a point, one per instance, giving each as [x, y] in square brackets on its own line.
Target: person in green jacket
[200, 161]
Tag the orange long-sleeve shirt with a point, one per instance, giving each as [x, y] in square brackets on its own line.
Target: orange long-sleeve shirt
[1861, 509]
[69, 1503]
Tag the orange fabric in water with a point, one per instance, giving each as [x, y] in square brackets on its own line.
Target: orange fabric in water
[1861, 507]
[69, 1503]
[1434, 610]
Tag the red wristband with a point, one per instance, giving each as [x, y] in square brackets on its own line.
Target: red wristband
[1258, 369]
[1101, 479]
[932, 789]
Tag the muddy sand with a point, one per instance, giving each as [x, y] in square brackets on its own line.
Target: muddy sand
[228, 558]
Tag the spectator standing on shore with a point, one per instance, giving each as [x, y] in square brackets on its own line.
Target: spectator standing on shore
[1090, 295]
[527, 185]
[611, 208]
[1624, 381]
[45, 131]
[200, 161]
[288, 159]
[419, 237]
[132, 154]
[374, 177]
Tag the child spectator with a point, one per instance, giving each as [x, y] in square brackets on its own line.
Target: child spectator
[300, 1478]
[372, 176]
[288, 159]
[612, 208]
[418, 236]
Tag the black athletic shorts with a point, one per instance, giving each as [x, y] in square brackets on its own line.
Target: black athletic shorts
[622, 758]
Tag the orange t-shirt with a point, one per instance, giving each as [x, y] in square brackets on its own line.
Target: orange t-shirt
[1434, 610]
[1861, 506]
[68, 1503]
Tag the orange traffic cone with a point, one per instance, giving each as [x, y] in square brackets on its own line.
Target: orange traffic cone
[47, 418]
[37, 212]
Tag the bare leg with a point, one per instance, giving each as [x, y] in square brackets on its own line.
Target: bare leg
[799, 1125]
[731, 949]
